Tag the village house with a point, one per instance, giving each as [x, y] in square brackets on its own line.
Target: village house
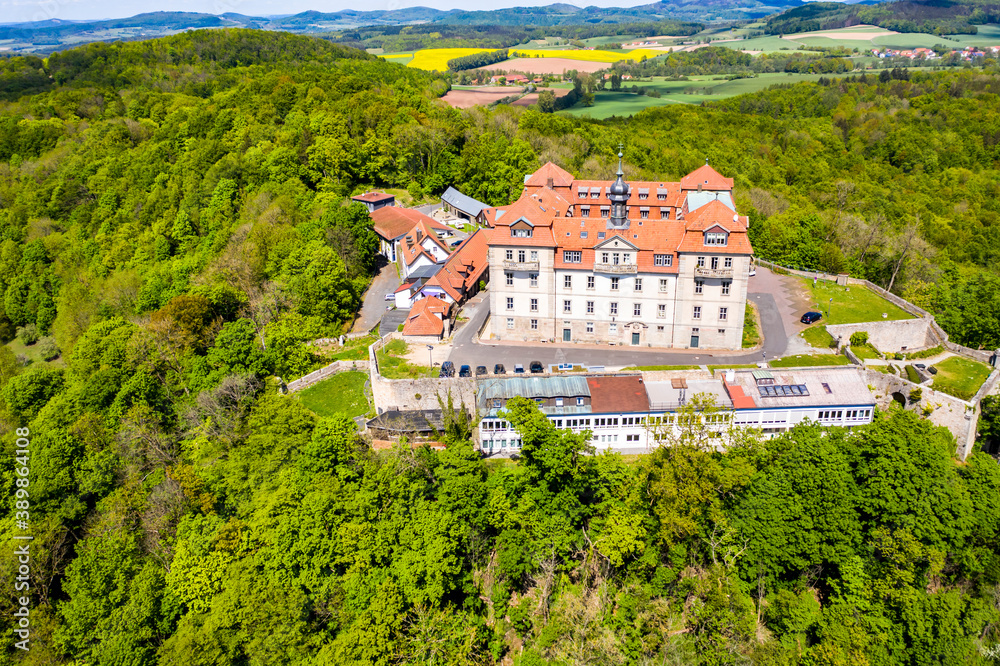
[375, 200]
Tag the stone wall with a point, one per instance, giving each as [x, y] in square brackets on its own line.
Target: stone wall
[889, 335]
[328, 371]
[960, 417]
[410, 394]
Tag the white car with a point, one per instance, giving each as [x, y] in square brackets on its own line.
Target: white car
[391, 296]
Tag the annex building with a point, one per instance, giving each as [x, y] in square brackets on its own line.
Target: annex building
[627, 263]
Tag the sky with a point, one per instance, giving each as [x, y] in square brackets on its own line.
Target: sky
[17, 11]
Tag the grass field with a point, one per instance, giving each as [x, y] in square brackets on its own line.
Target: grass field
[399, 58]
[809, 360]
[852, 304]
[34, 355]
[864, 352]
[745, 366]
[751, 335]
[353, 350]
[392, 365]
[817, 336]
[960, 376]
[341, 394]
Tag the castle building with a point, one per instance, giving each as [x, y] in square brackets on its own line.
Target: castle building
[640, 263]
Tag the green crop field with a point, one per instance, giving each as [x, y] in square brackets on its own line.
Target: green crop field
[911, 40]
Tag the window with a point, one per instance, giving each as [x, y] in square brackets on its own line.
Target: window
[643, 195]
[663, 259]
[590, 307]
[583, 234]
[510, 255]
[644, 213]
[572, 256]
[697, 312]
[728, 263]
[723, 314]
[559, 402]
[510, 303]
[585, 211]
[520, 256]
[614, 308]
[567, 306]
[661, 311]
[534, 255]
[715, 263]
[638, 284]
[590, 327]
[595, 193]
[605, 257]
[725, 287]
[614, 284]
[699, 286]
[722, 331]
[521, 233]
[534, 305]
[601, 235]
[579, 401]
[510, 323]
[631, 438]
[637, 309]
[715, 239]
[614, 258]
[659, 329]
[612, 329]
[663, 284]
[590, 282]
[533, 277]
[568, 281]
[701, 262]
[662, 196]
[605, 211]
[510, 279]
[534, 324]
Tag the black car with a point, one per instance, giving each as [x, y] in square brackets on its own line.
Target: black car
[498, 369]
[536, 367]
[518, 369]
[447, 369]
[466, 371]
[481, 370]
[811, 317]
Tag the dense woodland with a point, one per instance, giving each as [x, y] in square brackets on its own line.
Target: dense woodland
[174, 225]
[937, 17]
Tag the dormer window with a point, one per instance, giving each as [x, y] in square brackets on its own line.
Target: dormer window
[525, 233]
[716, 238]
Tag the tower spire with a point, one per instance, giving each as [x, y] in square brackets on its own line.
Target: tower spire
[618, 193]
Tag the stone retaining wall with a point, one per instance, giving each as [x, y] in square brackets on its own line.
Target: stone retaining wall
[328, 371]
[889, 335]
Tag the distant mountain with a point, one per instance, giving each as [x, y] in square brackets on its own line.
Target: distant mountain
[939, 17]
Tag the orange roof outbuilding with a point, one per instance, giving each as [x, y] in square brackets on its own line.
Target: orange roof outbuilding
[706, 178]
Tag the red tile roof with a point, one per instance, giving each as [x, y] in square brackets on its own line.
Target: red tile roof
[740, 399]
[465, 266]
[373, 197]
[706, 178]
[617, 394]
[426, 317]
[411, 251]
[560, 177]
[391, 222]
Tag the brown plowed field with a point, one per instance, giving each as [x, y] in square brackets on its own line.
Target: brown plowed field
[464, 99]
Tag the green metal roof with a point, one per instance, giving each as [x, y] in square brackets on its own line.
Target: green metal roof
[762, 374]
[532, 387]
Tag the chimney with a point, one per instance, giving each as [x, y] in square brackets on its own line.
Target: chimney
[730, 376]
[699, 187]
[548, 183]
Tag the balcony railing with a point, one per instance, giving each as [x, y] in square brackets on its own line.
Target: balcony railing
[616, 268]
[520, 265]
[701, 271]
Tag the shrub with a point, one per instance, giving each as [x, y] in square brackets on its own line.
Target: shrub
[911, 374]
[916, 394]
[859, 338]
[48, 349]
[28, 335]
[898, 356]
[926, 353]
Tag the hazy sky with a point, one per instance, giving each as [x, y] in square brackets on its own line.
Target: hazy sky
[39, 10]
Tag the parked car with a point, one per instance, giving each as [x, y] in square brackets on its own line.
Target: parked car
[481, 370]
[932, 370]
[498, 369]
[465, 371]
[811, 317]
[447, 369]
[518, 369]
[391, 296]
[536, 367]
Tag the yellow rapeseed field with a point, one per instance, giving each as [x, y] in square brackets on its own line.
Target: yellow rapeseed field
[437, 59]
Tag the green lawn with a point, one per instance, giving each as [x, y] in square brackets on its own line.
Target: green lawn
[353, 350]
[851, 304]
[341, 394]
[34, 355]
[751, 336]
[960, 376]
[864, 351]
[809, 360]
[661, 367]
[817, 336]
[713, 368]
[392, 365]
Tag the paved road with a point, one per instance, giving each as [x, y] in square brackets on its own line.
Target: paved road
[466, 349]
[374, 304]
[391, 321]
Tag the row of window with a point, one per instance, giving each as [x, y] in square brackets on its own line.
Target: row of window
[643, 212]
[591, 282]
[850, 414]
[661, 309]
[595, 193]
[616, 258]
[727, 262]
[699, 287]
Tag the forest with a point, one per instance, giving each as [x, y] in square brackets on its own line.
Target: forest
[174, 227]
[934, 17]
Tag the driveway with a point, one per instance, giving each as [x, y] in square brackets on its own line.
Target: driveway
[374, 304]
[391, 321]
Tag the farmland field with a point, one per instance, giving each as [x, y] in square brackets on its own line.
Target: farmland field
[437, 59]
[464, 98]
[547, 65]
[593, 56]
